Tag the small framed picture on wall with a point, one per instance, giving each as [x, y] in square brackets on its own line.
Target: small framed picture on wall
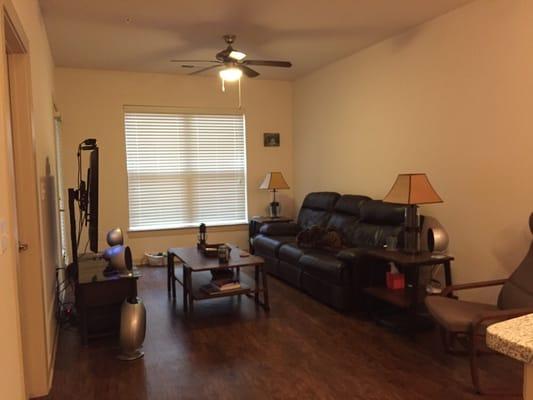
[271, 139]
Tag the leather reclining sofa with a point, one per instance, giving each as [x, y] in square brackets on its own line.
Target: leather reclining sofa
[333, 277]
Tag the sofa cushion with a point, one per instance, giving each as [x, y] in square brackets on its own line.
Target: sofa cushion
[321, 200]
[316, 209]
[266, 245]
[350, 204]
[309, 217]
[291, 253]
[342, 223]
[346, 214]
[325, 266]
[368, 235]
[377, 212]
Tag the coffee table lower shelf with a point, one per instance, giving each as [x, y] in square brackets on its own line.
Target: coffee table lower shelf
[199, 294]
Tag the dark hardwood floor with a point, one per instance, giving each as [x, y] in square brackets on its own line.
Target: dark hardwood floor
[229, 349]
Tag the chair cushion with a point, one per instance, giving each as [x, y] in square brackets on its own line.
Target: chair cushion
[517, 292]
[325, 266]
[291, 253]
[456, 315]
[269, 246]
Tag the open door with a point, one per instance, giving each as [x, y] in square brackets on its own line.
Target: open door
[35, 343]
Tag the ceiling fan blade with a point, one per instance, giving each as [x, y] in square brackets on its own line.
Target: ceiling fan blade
[223, 55]
[205, 69]
[269, 63]
[250, 73]
[195, 61]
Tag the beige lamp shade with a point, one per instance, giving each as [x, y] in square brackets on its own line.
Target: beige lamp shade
[274, 181]
[412, 189]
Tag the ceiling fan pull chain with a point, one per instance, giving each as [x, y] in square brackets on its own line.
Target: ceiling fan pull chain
[223, 87]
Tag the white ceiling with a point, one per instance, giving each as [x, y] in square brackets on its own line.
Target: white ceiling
[143, 35]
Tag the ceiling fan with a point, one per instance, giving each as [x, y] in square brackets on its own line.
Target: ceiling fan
[234, 61]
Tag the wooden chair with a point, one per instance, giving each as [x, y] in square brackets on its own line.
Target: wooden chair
[467, 321]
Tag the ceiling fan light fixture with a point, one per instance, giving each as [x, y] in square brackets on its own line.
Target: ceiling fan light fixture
[230, 74]
[237, 55]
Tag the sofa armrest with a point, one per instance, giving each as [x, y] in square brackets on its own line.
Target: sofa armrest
[349, 255]
[280, 229]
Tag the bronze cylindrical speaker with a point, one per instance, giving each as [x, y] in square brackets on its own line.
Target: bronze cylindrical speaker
[132, 329]
[438, 240]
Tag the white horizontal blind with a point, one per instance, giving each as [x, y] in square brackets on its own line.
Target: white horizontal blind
[185, 169]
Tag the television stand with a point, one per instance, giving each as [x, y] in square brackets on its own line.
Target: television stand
[99, 297]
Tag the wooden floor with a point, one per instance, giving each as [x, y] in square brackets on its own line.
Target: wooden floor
[232, 350]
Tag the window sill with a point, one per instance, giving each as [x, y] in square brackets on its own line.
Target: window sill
[185, 230]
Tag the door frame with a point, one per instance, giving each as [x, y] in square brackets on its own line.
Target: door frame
[26, 206]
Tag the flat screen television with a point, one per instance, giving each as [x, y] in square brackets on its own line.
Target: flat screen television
[92, 196]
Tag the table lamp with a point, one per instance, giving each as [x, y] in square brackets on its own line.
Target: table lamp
[412, 189]
[274, 181]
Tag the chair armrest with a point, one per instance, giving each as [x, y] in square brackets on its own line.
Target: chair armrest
[474, 285]
[280, 229]
[500, 315]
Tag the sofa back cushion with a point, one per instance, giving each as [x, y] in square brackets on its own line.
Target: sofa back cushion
[376, 212]
[316, 209]
[378, 221]
[346, 214]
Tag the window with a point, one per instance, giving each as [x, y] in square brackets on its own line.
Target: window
[185, 169]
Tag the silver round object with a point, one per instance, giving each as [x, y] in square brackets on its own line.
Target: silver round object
[438, 240]
[115, 237]
[132, 329]
[119, 257]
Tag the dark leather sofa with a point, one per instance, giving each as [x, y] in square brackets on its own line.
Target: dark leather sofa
[333, 277]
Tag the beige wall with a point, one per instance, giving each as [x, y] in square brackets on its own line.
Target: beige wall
[36, 313]
[452, 98]
[91, 104]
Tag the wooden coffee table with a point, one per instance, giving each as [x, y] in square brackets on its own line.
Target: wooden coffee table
[193, 260]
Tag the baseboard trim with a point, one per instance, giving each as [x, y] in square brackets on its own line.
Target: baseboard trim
[51, 365]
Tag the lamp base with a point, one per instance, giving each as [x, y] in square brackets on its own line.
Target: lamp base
[273, 209]
[411, 242]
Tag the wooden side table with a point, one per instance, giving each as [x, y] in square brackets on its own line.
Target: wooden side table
[410, 264]
[256, 223]
[99, 298]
